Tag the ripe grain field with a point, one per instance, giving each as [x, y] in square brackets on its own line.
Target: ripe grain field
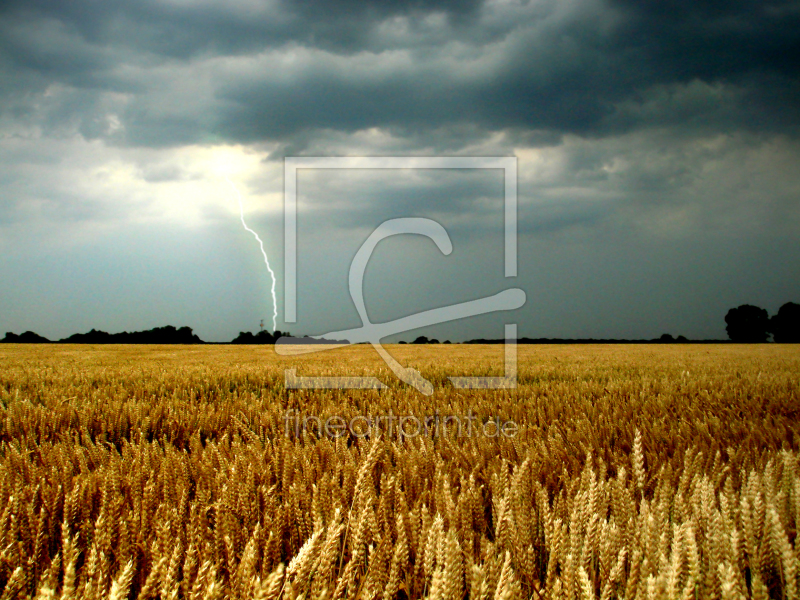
[167, 472]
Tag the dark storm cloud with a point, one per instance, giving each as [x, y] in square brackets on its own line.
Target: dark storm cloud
[560, 73]
[184, 29]
[588, 68]
[365, 198]
[714, 39]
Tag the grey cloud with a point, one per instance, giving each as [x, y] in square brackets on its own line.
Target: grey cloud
[714, 39]
[184, 30]
[591, 69]
[45, 204]
[165, 172]
[357, 200]
[560, 74]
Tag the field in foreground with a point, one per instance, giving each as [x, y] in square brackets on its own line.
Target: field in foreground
[170, 472]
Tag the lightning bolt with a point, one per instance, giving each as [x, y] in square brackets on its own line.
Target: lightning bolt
[263, 252]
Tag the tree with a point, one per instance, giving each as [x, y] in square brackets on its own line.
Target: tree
[785, 326]
[262, 337]
[747, 323]
[28, 337]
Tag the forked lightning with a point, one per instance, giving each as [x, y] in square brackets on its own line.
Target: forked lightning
[263, 252]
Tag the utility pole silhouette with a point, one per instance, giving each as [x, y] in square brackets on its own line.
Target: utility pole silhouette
[261, 325]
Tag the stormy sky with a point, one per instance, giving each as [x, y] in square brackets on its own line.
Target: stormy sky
[658, 147]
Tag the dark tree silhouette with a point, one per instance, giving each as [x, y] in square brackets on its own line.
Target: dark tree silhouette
[28, 337]
[747, 323]
[244, 337]
[262, 337]
[785, 326]
[421, 340]
[92, 337]
[666, 338]
[158, 335]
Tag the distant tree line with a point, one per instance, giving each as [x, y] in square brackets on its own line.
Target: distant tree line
[262, 337]
[745, 323]
[158, 335]
[28, 337]
[424, 340]
[265, 337]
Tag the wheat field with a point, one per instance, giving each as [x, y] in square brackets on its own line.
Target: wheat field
[173, 472]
